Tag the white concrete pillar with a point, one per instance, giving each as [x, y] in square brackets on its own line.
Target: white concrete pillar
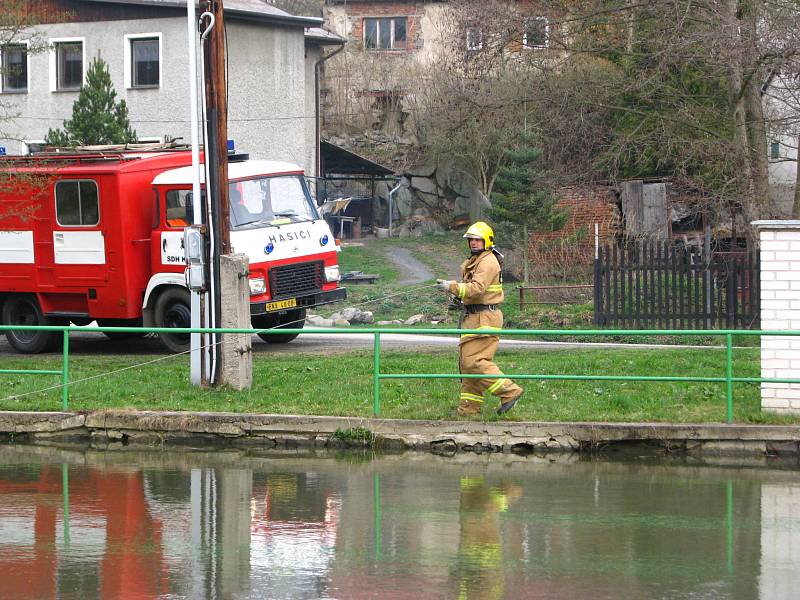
[780, 310]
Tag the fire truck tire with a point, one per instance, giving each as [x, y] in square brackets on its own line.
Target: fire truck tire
[293, 319]
[173, 309]
[25, 310]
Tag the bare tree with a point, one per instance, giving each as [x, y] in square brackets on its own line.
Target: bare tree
[19, 188]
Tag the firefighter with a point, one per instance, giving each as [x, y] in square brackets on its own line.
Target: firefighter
[481, 292]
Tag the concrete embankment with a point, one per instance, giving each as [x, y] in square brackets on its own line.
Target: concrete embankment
[117, 429]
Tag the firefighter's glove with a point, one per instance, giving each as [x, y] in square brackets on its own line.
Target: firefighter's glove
[443, 284]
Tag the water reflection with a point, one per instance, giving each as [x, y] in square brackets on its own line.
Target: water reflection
[77, 524]
[480, 565]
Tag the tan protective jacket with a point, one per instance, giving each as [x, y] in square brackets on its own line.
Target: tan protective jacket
[480, 280]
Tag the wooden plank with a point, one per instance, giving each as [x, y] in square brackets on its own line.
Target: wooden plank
[608, 283]
[661, 274]
[615, 310]
[639, 259]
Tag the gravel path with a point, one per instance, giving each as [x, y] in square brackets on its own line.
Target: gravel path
[411, 270]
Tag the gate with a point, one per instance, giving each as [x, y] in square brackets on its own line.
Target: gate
[668, 286]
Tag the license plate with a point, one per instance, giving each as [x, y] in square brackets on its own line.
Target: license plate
[280, 305]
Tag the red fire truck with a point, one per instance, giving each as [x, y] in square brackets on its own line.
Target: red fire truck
[99, 237]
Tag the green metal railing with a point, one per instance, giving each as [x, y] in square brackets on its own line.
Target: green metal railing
[728, 379]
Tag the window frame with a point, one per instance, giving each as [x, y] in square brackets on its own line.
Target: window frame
[775, 150]
[525, 32]
[80, 204]
[128, 57]
[471, 45]
[185, 192]
[18, 44]
[54, 44]
[392, 40]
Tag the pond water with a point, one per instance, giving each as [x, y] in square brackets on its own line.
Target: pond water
[78, 523]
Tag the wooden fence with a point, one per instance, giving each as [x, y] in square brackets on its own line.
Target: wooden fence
[668, 286]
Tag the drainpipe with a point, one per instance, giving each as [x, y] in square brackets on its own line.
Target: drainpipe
[317, 66]
[391, 204]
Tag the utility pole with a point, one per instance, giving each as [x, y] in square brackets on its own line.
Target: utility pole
[230, 284]
[216, 89]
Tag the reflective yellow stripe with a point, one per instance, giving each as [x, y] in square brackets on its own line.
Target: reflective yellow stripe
[495, 287]
[470, 483]
[471, 397]
[462, 290]
[500, 499]
[497, 385]
[481, 328]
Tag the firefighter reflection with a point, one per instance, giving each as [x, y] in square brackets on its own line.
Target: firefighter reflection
[480, 553]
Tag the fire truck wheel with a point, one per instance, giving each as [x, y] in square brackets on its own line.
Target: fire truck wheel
[173, 310]
[293, 319]
[24, 310]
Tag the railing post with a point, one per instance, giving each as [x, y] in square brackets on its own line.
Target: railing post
[729, 520]
[729, 374]
[65, 495]
[376, 509]
[376, 380]
[65, 373]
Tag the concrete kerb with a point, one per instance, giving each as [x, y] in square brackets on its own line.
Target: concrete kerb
[118, 429]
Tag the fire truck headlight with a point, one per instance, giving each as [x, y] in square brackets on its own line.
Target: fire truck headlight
[258, 286]
[332, 273]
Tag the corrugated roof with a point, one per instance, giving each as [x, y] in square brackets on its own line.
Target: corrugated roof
[252, 9]
[323, 36]
[338, 161]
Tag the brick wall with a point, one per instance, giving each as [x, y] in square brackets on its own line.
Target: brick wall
[780, 310]
[574, 243]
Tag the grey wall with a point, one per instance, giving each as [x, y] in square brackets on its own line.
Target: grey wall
[267, 87]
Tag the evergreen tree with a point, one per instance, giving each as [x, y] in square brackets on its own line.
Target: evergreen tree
[97, 118]
[521, 204]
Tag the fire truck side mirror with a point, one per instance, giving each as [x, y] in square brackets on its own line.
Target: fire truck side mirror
[194, 245]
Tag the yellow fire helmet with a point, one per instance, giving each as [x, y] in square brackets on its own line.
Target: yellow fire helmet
[481, 231]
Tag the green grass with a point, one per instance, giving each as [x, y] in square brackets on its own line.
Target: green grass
[387, 299]
[342, 385]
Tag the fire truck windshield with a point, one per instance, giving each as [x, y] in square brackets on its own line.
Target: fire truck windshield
[258, 201]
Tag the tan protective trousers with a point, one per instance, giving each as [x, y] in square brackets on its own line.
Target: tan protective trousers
[475, 355]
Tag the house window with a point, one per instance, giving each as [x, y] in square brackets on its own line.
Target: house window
[474, 38]
[775, 150]
[537, 33]
[143, 60]
[15, 68]
[77, 203]
[385, 33]
[69, 65]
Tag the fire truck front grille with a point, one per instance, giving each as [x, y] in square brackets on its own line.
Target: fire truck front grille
[289, 281]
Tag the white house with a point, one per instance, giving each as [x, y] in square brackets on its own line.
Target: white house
[270, 67]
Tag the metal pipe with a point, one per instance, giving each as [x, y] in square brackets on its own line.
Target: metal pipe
[391, 203]
[195, 354]
[65, 372]
[317, 140]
